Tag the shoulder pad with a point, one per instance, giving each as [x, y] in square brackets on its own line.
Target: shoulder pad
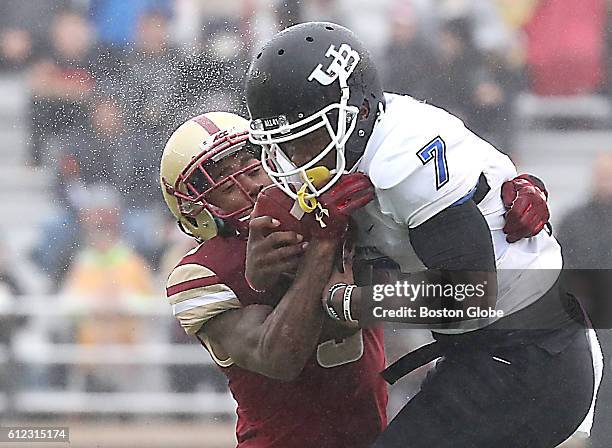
[196, 292]
[410, 125]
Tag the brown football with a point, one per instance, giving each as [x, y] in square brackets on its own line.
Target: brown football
[273, 202]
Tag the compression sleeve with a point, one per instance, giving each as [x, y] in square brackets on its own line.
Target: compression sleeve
[457, 238]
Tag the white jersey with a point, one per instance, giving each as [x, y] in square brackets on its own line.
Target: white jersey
[421, 160]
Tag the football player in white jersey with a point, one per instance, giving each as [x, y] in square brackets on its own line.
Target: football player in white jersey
[528, 379]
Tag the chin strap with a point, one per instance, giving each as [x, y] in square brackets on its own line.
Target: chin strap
[315, 177]
[352, 159]
[308, 205]
[232, 227]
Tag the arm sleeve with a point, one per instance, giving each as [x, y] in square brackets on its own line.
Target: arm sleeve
[197, 295]
[457, 238]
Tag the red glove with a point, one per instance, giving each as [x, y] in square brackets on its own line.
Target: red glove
[331, 218]
[527, 211]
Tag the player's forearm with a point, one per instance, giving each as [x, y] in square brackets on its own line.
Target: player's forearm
[291, 332]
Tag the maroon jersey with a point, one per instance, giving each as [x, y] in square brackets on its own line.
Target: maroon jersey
[339, 399]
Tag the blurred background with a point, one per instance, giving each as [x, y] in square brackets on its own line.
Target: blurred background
[91, 89]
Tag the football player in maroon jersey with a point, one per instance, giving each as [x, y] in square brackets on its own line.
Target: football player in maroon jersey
[299, 379]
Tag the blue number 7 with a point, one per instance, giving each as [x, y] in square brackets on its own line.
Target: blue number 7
[436, 150]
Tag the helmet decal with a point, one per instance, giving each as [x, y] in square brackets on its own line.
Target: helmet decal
[344, 62]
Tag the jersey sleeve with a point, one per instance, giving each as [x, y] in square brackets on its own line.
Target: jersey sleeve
[418, 174]
[197, 295]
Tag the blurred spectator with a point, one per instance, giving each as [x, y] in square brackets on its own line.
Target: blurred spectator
[151, 101]
[585, 243]
[16, 48]
[497, 85]
[105, 268]
[107, 277]
[455, 75]
[566, 47]
[103, 151]
[490, 31]
[24, 26]
[106, 151]
[409, 57]
[466, 83]
[62, 81]
[88, 156]
[212, 78]
[116, 20]
[152, 86]
[90, 153]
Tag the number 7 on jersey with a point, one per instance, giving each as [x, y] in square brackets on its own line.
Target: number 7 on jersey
[436, 150]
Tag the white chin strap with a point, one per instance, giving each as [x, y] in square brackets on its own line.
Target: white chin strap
[284, 173]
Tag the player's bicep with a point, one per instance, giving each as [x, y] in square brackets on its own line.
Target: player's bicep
[456, 239]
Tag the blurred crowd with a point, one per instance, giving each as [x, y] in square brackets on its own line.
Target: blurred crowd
[107, 88]
[109, 80]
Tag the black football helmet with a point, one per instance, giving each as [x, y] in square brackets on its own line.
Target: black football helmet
[311, 76]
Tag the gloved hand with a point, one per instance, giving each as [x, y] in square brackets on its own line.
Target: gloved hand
[331, 217]
[276, 240]
[527, 211]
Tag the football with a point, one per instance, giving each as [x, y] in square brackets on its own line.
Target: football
[272, 201]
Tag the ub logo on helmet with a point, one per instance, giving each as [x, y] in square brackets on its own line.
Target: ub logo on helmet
[344, 62]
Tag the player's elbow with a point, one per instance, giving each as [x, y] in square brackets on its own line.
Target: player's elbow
[284, 365]
[278, 362]
[287, 372]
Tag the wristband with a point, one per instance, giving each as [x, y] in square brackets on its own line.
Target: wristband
[329, 309]
[346, 303]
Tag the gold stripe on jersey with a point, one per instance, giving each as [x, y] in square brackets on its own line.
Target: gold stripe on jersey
[192, 320]
[186, 272]
[199, 292]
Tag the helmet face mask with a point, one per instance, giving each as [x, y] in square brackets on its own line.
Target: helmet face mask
[323, 86]
[197, 182]
[278, 163]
